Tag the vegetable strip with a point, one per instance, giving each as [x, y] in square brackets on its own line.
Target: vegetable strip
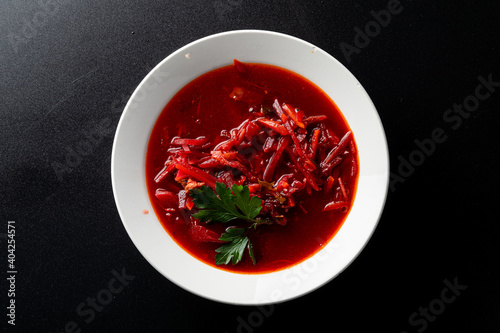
[301, 168]
[196, 173]
[293, 115]
[314, 143]
[273, 125]
[315, 119]
[164, 172]
[342, 188]
[342, 205]
[329, 184]
[194, 142]
[289, 128]
[338, 149]
[283, 143]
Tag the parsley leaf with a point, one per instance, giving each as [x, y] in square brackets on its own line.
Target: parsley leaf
[232, 234]
[249, 206]
[233, 252]
[224, 207]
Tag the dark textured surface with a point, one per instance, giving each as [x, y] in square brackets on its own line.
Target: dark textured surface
[67, 69]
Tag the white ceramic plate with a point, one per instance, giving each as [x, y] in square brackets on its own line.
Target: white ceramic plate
[149, 99]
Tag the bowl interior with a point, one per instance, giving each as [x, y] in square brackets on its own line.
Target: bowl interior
[139, 117]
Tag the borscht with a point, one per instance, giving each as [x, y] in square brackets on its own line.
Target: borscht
[251, 168]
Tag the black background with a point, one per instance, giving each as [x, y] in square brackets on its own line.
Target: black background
[67, 66]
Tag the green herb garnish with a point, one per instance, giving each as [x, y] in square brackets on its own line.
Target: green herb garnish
[227, 205]
[233, 251]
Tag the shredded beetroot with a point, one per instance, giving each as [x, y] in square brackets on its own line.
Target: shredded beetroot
[273, 125]
[338, 149]
[273, 161]
[186, 142]
[196, 173]
[164, 172]
[291, 132]
[293, 115]
[279, 153]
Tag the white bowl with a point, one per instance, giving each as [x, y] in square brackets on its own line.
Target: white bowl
[149, 99]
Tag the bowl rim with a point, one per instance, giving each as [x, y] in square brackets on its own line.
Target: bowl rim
[246, 277]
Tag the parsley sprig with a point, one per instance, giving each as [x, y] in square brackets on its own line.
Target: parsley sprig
[229, 204]
[233, 251]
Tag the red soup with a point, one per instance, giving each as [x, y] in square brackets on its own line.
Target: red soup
[251, 168]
